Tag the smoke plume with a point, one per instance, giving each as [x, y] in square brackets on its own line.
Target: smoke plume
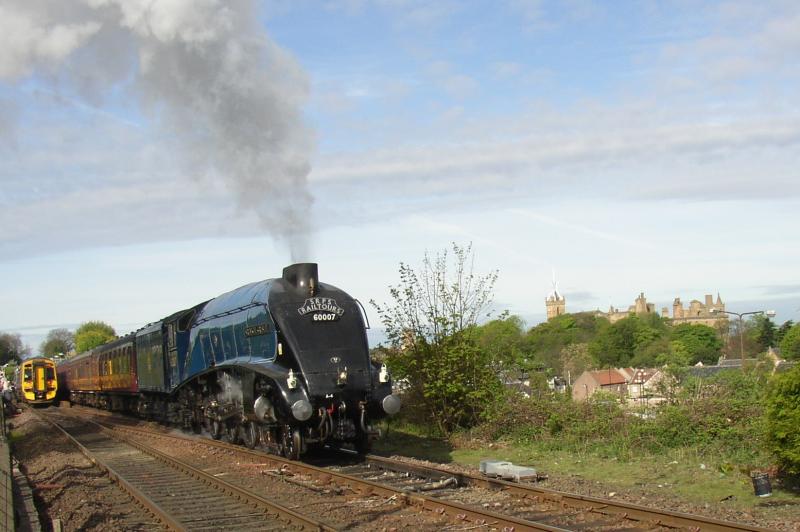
[204, 70]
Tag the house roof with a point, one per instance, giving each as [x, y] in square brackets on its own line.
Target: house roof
[708, 371]
[735, 362]
[643, 375]
[606, 377]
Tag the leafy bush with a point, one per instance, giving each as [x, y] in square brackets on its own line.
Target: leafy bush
[790, 344]
[783, 419]
[431, 324]
[720, 416]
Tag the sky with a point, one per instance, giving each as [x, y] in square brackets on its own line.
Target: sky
[156, 154]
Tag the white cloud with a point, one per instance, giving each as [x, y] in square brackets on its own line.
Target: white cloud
[743, 43]
[31, 38]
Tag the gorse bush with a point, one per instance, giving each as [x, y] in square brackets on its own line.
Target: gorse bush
[721, 416]
[783, 419]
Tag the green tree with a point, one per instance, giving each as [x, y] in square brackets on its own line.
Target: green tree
[763, 332]
[92, 334]
[657, 352]
[790, 345]
[701, 343]
[743, 336]
[576, 360]
[58, 341]
[618, 345]
[11, 348]
[502, 340]
[432, 323]
[783, 418]
[544, 343]
[782, 330]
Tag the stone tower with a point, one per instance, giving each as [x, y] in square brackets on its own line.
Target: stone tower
[555, 302]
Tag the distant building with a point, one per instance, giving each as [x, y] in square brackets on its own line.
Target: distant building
[698, 313]
[607, 380]
[638, 387]
[640, 307]
[771, 361]
[555, 302]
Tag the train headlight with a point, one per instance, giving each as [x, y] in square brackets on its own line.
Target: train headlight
[302, 410]
[384, 374]
[391, 404]
[342, 377]
[291, 380]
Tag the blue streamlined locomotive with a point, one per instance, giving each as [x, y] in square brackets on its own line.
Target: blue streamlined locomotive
[282, 363]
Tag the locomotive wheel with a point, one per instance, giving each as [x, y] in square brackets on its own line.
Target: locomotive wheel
[292, 443]
[250, 435]
[232, 434]
[215, 428]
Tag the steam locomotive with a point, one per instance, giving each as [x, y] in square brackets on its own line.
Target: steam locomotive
[282, 363]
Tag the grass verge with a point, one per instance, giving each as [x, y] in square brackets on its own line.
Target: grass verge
[681, 472]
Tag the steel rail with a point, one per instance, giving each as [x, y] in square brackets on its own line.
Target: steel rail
[654, 516]
[628, 510]
[453, 510]
[148, 504]
[285, 514]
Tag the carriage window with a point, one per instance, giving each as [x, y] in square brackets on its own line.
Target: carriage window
[216, 345]
[28, 374]
[50, 373]
[228, 342]
[242, 341]
[205, 344]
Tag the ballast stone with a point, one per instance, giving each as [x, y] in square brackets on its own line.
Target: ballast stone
[507, 470]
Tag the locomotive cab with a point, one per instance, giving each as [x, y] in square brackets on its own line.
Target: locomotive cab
[323, 339]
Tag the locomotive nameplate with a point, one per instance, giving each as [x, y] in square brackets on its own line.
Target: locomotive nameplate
[256, 330]
[321, 309]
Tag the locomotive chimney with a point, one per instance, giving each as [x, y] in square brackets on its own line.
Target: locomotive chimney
[303, 277]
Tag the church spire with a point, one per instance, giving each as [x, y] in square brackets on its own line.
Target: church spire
[555, 302]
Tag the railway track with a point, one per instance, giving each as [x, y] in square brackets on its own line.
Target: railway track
[465, 499]
[179, 495]
[531, 502]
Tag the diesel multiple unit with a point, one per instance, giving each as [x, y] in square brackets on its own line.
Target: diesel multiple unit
[282, 363]
[35, 381]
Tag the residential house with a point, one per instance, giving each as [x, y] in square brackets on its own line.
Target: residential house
[607, 380]
[636, 386]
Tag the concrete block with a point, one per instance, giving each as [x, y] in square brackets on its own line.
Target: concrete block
[507, 470]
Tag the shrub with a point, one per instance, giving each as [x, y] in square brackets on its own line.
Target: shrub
[783, 419]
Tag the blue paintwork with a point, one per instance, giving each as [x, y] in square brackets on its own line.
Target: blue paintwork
[218, 335]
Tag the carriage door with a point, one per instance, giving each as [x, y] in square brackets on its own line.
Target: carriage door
[39, 385]
[173, 372]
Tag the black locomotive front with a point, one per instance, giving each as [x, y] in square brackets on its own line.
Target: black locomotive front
[321, 331]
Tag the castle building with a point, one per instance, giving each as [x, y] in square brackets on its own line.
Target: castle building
[640, 307]
[698, 312]
[706, 313]
[555, 302]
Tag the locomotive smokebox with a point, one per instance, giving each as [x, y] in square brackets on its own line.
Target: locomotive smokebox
[303, 277]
